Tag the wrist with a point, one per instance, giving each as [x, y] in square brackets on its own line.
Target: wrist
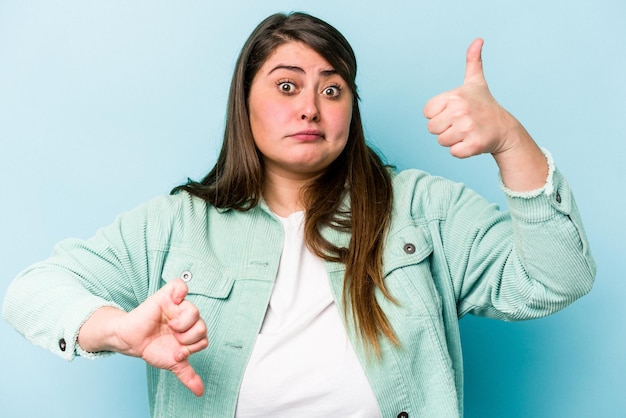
[522, 164]
[100, 331]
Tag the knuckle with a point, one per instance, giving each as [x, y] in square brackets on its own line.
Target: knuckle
[203, 328]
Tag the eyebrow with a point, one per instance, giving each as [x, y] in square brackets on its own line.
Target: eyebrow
[324, 73]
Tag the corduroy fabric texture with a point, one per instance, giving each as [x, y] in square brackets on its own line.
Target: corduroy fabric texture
[448, 253]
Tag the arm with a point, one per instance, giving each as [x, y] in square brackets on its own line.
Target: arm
[93, 296]
[534, 261]
[526, 263]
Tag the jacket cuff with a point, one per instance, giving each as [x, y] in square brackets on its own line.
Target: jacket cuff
[554, 198]
[73, 319]
[78, 350]
[547, 188]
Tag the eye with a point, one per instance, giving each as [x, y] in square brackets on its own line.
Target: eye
[286, 87]
[331, 91]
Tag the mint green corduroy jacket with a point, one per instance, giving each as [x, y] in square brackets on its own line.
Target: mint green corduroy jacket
[448, 253]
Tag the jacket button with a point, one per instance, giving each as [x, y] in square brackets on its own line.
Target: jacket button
[403, 415]
[62, 344]
[409, 248]
[186, 276]
[558, 197]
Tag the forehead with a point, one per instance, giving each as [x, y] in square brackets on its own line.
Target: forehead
[295, 54]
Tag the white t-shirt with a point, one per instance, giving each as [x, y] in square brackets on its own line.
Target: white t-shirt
[303, 364]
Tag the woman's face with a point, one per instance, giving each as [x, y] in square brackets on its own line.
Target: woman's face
[300, 111]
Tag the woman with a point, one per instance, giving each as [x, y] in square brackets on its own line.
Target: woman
[302, 277]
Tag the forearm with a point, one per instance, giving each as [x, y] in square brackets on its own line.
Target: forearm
[530, 266]
[552, 265]
[48, 306]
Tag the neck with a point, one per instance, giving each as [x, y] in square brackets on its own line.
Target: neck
[283, 194]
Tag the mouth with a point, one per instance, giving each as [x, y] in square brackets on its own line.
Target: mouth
[308, 135]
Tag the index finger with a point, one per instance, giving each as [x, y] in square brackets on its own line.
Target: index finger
[436, 105]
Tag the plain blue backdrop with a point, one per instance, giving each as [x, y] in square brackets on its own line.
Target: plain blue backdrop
[104, 105]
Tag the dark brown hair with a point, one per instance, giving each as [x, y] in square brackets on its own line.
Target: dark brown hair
[357, 176]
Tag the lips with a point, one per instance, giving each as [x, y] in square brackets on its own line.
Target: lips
[308, 135]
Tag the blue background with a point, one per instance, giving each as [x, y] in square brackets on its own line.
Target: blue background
[104, 105]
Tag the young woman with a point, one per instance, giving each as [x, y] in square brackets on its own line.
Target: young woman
[303, 277]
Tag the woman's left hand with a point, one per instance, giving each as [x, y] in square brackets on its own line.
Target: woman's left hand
[470, 122]
[468, 119]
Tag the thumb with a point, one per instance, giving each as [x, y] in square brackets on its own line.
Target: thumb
[474, 63]
[171, 295]
[188, 377]
[179, 291]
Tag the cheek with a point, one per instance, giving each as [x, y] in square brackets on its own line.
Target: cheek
[266, 119]
[341, 122]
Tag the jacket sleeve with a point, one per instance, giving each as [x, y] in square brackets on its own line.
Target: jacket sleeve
[526, 263]
[49, 301]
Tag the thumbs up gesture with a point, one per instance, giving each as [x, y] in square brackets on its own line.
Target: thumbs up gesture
[468, 119]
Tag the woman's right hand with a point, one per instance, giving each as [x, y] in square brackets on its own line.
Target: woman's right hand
[164, 331]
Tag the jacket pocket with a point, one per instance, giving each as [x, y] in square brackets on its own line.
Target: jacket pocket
[202, 277]
[408, 275]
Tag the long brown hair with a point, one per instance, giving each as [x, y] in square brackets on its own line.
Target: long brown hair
[358, 175]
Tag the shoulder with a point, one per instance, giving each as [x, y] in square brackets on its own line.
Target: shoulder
[421, 195]
[181, 204]
[161, 214]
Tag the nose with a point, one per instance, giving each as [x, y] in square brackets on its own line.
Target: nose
[313, 117]
[310, 109]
